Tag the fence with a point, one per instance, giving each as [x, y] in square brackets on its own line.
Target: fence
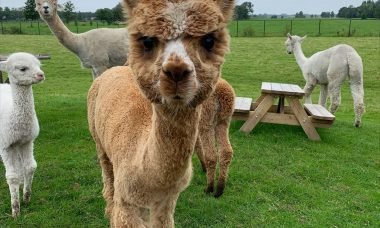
[249, 28]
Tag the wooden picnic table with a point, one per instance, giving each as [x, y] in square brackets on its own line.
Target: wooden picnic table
[4, 57]
[264, 110]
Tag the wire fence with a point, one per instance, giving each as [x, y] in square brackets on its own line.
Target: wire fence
[248, 28]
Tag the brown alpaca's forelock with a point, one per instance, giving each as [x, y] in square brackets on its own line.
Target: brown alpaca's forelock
[171, 19]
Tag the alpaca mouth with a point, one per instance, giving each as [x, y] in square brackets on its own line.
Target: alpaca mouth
[176, 97]
[289, 52]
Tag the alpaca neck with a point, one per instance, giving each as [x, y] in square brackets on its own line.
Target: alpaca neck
[172, 139]
[23, 101]
[64, 35]
[300, 57]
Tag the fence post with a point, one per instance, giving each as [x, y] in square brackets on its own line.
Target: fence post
[77, 26]
[20, 26]
[264, 28]
[291, 26]
[319, 28]
[237, 28]
[97, 25]
[2, 28]
[38, 25]
[349, 28]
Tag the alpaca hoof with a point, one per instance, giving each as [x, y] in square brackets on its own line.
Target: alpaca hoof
[27, 196]
[15, 211]
[219, 190]
[357, 124]
[209, 189]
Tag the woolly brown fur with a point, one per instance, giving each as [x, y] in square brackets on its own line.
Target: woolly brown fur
[145, 125]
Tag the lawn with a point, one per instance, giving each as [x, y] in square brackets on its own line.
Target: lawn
[277, 177]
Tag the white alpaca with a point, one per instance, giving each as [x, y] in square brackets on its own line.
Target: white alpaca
[98, 49]
[330, 68]
[19, 124]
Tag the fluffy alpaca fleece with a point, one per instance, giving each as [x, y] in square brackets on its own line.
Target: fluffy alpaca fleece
[19, 124]
[98, 49]
[330, 68]
[144, 118]
[213, 142]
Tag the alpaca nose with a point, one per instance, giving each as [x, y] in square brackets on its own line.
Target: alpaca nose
[45, 7]
[177, 70]
[40, 76]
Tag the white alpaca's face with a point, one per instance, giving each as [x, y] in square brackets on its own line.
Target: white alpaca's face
[177, 50]
[289, 45]
[23, 69]
[46, 8]
[291, 41]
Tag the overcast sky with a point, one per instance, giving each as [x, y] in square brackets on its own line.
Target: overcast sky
[260, 6]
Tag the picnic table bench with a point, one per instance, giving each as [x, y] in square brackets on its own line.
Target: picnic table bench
[4, 57]
[264, 110]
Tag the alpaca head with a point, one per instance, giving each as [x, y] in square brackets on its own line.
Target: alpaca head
[291, 41]
[177, 47]
[47, 8]
[23, 69]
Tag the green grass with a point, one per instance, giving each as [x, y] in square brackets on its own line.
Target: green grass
[273, 28]
[277, 178]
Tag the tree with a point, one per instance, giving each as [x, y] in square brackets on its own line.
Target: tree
[376, 12]
[29, 10]
[300, 15]
[68, 11]
[243, 11]
[105, 15]
[117, 12]
[332, 14]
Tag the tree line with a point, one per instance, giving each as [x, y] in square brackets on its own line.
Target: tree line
[368, 9]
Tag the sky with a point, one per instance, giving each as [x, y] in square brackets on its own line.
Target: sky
[260, 6]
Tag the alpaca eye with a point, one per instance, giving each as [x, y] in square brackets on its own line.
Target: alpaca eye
[208, 42]
[148, 43]
[23, 69]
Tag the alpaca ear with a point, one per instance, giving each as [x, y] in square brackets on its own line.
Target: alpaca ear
[129, 5]
[3, 66]
[303, 38]
[227, 7]
[60, 8]
[289, 36]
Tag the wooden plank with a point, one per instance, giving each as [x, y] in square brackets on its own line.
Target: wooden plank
[255, 116]
[277, 118]
[243, 104]
[282, 89]
[266, 87]
[303, 119]
[318, 112]
[296, 89]
[276, 88]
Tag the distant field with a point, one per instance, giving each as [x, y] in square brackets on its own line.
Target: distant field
[278, 178]
[252, 28]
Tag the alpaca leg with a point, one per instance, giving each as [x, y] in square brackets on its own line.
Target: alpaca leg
[12, 165]
[357, 92]
[162, 212]
[323, 95]
[29, 165]
[334, 91]
[225, 155]
[200, 154]
[208, 145]
[108, 179]
[308, 89]
[126, 215]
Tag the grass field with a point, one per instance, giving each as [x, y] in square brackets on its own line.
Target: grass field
[278, 178]
[252, 28]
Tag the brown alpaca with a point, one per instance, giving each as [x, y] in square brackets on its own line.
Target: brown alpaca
[213, 136]
[144, 117]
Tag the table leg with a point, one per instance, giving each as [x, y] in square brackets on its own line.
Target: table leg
[281, 104]
[303, 118]
[255, 116]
